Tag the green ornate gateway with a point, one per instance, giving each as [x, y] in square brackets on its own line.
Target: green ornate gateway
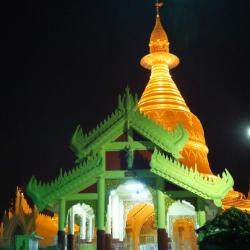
[127, 146]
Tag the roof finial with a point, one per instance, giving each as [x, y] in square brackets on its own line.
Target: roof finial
[158, 6]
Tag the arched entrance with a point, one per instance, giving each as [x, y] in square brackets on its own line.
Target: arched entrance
[181, 221]
[148, 234]
[140, 226]
[80, 226]
[183, 234]
[130, 215]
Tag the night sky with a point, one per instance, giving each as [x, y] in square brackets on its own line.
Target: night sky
[63, 63]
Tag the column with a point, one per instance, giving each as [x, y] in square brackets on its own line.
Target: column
[201, 214]
[61, 225]
[90, 229]
[70, 238]
[83, 227]
[121, 220]
[100, 214]
[161, 216]
[115, 217]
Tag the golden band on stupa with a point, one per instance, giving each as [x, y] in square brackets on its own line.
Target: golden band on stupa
[163, 102]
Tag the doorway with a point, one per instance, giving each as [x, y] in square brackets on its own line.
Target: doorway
[131, 216]
[184, 234]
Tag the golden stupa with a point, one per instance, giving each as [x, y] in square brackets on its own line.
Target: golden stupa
[163, 102]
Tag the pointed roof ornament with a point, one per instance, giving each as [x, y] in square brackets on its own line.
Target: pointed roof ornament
[158, 39]
[159, 45]
[158, 6]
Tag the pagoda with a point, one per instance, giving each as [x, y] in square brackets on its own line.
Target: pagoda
[142, 178]
[163, 102]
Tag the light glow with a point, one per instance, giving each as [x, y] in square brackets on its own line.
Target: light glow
[248, 132]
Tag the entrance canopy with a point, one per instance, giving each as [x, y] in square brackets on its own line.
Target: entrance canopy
[161, 146]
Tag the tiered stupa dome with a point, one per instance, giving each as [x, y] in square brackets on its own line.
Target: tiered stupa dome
[163, 102]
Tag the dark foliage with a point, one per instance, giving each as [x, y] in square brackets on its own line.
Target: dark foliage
[231, 228]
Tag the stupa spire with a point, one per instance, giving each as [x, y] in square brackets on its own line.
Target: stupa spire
[163, 102]
[158, 6]
[161, 91]
[158, 39]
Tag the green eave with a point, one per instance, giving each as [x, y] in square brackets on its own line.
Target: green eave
[73, 181]
[207, 187]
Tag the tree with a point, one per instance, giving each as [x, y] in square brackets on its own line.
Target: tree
[229, 229]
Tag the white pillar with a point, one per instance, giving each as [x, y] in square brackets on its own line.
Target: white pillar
[83, 226]
[90, 228]
[71, 221]
[121, 220]
[115, 217]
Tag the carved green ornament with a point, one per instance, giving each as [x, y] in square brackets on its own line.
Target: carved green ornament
[72, 181]
[213, 188]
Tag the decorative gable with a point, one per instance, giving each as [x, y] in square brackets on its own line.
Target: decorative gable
[123, 120]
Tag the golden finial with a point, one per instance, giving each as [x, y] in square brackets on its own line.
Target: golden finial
[158, 39]
[158, 6]
[159, 44]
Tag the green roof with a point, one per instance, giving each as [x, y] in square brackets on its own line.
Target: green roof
[209, 187]
[89, 148]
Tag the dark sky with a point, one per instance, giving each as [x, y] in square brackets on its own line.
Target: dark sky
[63, 63]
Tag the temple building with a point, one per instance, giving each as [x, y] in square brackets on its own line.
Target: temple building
[142, 177]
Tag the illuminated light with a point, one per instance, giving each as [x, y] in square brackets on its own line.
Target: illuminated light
[112, 192]
[161, 89]
[134, 186]
[248, 132]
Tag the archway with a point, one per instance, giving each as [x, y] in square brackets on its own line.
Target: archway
[80, 225]
[181, 221]
[183, 234]
[140, 228]
[129, 210]
[148, 233]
